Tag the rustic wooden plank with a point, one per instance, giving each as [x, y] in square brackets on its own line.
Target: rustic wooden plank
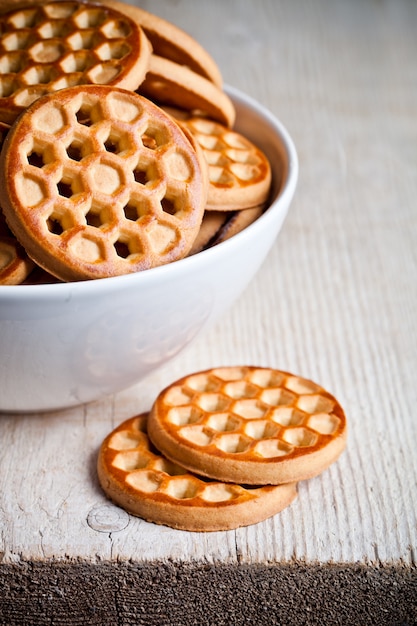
[335, 301]
[161, 594]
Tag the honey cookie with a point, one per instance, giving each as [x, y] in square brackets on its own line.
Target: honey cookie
[50, 46]
[248, 425]
[98, 181]
[239, 172]
[138, 478]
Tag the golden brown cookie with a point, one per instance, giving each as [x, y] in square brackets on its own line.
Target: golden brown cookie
[49, 46]
[248, 425]
[239, 172]
[97, 181]
[170, 84]
[138, 478]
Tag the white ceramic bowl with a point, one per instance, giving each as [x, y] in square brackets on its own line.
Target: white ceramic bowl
[70, 343]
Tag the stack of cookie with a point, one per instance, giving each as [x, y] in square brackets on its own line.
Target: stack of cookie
[118, 152]
[222, 448]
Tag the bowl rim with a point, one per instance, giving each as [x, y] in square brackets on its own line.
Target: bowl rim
[161, 273]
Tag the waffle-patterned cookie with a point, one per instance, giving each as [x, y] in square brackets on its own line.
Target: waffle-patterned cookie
[49, 46]
[138, 478]
[170, 84]
[98, 181]
[171, 42]
[239, 172]
[248, 425]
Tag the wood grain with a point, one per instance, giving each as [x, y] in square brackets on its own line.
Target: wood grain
[335, 301]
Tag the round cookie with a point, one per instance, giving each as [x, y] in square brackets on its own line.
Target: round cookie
[239, 172]
[248, 425]
[138, 478]
[47, 47]
[97, 181]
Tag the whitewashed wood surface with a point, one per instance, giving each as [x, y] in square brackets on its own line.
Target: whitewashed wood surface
[335, 301]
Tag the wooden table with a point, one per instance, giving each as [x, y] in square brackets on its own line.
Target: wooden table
[335, 301]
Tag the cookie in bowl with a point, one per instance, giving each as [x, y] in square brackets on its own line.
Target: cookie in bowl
[98, 181]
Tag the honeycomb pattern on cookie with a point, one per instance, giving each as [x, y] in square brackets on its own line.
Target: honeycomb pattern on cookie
[55, 45]
[146, 472]
[255, 412]
[239, 172]
[104, 175]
